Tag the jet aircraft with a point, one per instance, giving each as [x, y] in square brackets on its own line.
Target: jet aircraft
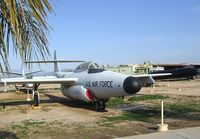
[187, 72]
[88, 82]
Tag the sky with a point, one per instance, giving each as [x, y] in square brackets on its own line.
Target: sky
[125, 31]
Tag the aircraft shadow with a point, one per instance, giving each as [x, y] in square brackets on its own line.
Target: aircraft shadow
[8, 135]
[52, 99]
[13, 103]
[68, 102]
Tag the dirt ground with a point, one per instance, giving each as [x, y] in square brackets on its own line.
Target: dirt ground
[60, 117]
[184, 87]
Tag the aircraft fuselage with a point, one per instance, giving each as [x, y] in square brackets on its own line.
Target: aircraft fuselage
[101, 85]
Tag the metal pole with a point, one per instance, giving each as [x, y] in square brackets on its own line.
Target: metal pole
[33, 93]
[28, 99]
[162, 112]
[162, 126]
[5, 87]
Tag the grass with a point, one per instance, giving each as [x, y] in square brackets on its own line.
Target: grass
[27, 124]
[115, 102]
[32, 123]
[25, 127]
[119, 100]
[127, 116]
[190, 106]
[179, 110]
[183, 110]
[147, 97]
[187, 109]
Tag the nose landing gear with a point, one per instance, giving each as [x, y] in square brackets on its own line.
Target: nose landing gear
[36, 95]
[36, 99]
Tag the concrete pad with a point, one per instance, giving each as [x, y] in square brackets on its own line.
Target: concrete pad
[186, 133]
[190, 133]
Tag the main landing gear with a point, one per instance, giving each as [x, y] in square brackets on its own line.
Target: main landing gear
[100, 105]
[36, 100]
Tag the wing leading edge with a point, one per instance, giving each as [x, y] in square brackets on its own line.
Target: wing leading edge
[40, 80]
[148, 78]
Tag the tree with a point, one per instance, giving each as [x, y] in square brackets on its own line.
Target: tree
[23, 27]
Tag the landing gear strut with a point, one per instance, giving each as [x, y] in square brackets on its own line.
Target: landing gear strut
[36, 95]
[100, 105]
[36, 99]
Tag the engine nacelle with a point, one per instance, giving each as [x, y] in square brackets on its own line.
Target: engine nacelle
[78, 92]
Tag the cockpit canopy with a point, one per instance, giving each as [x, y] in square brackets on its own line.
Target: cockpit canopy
[87, 66]
[91, 67]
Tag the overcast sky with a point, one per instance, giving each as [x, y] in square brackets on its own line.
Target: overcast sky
[125, 31]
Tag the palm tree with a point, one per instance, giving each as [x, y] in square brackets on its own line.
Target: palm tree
[23, 27]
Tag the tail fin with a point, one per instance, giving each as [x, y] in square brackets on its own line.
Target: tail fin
[56, 65]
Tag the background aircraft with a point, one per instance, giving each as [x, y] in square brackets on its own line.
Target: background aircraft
[187, 72]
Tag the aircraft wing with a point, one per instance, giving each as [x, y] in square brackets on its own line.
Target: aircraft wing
[152, 75]
[147, 79]
[40, 80]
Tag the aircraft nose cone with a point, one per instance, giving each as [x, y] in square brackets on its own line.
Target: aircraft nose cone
[131, 85]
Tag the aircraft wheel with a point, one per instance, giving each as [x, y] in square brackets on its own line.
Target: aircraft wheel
[99, 106]
[36, 99]
[102, 105]
[106, 100]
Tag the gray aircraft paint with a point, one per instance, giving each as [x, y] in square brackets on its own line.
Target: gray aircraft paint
[105, 84]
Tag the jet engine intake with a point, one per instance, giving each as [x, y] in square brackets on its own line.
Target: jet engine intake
[78, 92]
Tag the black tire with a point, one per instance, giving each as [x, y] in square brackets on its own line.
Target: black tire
[36, 99]
[106, 100]
[97, 105]
[102, 106]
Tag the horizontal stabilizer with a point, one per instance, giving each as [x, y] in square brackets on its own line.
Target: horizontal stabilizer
[53, 61]
[30, 73]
